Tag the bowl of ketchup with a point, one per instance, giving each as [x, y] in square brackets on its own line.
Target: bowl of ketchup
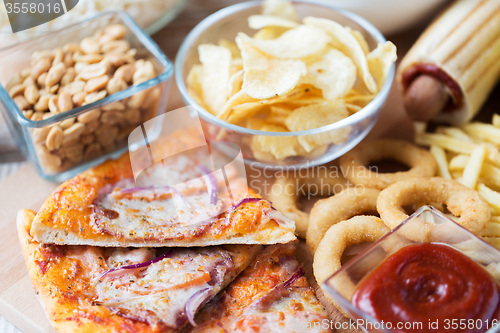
[427, 275]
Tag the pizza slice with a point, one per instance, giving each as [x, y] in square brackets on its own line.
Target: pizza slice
[271, 295]
[87, 289]
[172, 203]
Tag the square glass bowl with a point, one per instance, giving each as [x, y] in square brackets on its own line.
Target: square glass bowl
[426, 225]
[103, 138]
[225, 24]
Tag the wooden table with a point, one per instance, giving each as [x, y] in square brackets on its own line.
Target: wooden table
[25, 189]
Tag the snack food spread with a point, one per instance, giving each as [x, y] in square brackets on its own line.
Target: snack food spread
[423, 282]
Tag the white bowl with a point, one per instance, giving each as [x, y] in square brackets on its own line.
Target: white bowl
[390, 16]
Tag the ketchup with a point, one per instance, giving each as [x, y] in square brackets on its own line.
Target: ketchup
[432, 284]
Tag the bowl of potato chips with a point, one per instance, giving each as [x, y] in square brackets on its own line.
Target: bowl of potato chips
[292, 83]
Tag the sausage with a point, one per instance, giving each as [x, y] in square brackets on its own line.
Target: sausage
[425, 97]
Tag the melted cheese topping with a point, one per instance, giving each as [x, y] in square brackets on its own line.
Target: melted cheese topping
[165, 287]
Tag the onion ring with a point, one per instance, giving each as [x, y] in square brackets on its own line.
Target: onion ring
[340, 207]
[472, 209]
[327, 259]
[354, 163]
[286, 192]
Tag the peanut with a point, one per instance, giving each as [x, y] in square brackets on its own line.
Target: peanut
[74, 153]
[74, 131]
[74, 87]
[92, 151]
[115, 59]
[18, 89]
[115, 85]
[106, 134]
[125, 72]
[118, 106]
[58, 56]
[91, 127]
[68, 77]
[64, 103]
[153, 98]
[136, 101]
[49, 161]
[89, 45]
[87, 139]
[53, 104]
[55, 74]
[42, 66]
[21, 103]
[31, 94]
[88, 58]
[54, 138]
[68, 60]
[97, 83]
[79, 98]
[39, 135]
[79, 66]
[89, 116]
[54, 89]
[71, 47]
[41, 79]
[116, 31]
[67, 123]
[111, 117]
[37, 55]
[43, 103]
[92, 71]
[37, 116]
[147, 71]
[115, 46]
[26, 72]
[27, 114]
[132, 116]
[95, 96]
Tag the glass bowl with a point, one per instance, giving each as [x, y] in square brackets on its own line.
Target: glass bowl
[226, 23]
[426, 225]
[104, 138]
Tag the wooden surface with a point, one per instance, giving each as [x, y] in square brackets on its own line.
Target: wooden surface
[25, 189]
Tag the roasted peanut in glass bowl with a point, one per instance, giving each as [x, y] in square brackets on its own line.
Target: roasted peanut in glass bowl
[262, 74]
[72, 97]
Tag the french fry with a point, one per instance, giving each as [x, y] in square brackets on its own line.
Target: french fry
[484, 131]
[474, 166]
[492, 229]
[454, 132]
[445, 142]
[495, 219]
[491, 196]
[496, 120]
[491, 175]
[442, 163]
[458, 162]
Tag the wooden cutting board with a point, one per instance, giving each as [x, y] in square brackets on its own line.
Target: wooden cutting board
[25, 189]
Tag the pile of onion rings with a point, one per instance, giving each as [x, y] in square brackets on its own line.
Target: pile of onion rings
[420, 161]
[285, 195]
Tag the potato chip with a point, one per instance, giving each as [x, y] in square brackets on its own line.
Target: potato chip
[334, 74]
[239, 112]
[216, 62]
[315, 116]
[262, 21]
[360, 38]
[235, 83]
[359, 99]
[279, 147]
[231, 46]
[266, 76]
[193, 81]
[352, 108]
[347, 43]
[278, 115]
[295, 43]
[280, 8]
[239, 98]
[380, 61]
[269, 33]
